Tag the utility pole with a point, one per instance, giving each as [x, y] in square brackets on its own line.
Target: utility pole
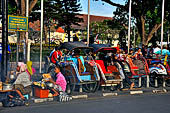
[162, 27]
[4, 4]
[41, 34]
[129, 25]
[27, 50]
[88, 24]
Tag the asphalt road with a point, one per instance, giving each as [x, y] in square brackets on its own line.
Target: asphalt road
[148, 103]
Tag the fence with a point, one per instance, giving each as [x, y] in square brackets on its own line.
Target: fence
[34, 54]
[34, 51]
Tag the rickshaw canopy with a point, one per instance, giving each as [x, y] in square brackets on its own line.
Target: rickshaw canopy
[74, 45]
[102, 47]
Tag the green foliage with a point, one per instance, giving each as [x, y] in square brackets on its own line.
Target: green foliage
[63, 11]
[150, 10]
[102, 28]
[12, 7]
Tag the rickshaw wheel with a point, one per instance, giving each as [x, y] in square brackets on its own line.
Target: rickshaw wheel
[152, 78]
[136, 81]
[116, 87]
[168, 82]
[91, 87]
[71, 82]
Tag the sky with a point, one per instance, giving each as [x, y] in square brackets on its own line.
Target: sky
[99, 8]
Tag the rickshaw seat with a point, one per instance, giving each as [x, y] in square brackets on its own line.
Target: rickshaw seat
[85, 73]
[135, 68]
[101, 63]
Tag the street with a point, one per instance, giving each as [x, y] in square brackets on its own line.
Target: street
[146, 103]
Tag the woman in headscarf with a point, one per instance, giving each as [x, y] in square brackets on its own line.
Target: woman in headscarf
[30, 70]
[22, 84]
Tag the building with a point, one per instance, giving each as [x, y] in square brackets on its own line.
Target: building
[93, 18]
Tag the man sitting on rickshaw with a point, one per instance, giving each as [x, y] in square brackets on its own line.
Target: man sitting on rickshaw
[79, 61]
[55, 56]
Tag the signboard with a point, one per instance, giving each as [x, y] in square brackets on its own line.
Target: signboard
[17, 23]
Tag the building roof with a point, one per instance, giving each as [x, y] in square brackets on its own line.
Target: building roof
[93, 18]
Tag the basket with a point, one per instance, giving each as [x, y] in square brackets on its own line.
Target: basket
[41, 93]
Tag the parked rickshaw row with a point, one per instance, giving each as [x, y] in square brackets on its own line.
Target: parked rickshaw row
[99, 66]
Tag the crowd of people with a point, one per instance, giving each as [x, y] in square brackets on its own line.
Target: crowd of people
[147, 52]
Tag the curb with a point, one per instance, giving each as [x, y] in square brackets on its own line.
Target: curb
[136, 92]
[110, 94]
[1, 104]
[79, 96]
[159, 91]
[40, 100]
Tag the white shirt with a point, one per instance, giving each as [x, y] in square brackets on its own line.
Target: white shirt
[156, 49]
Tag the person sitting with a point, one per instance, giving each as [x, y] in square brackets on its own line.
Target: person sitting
[60, 81]
[164, 51]
[138, 53]
[56, 56]
[30, 70]
[120, 55]
[22, 84]
[59, 84]
[80, 61]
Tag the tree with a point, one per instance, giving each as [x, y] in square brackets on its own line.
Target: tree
[146, 15]
[64, 12]
[18, 7]
[69, 15]
[103, 29]
[52, 8]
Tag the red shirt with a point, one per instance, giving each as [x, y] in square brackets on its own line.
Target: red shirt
[54, 56]
[117, 48]
[59, 53]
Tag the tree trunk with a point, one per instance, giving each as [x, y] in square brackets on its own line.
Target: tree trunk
[154, 29]
[68, 32]
[23, 8]
[32, 4]
[143, 30]
[46, 33]
[23, 13]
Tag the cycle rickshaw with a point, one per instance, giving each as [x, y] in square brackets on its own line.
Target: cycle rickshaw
[87, 79]
[159, 71]
[137, 70]
[111, 72]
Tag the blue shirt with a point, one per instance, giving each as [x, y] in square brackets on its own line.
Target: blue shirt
[76, 61]
[9, 50]
[164, 52]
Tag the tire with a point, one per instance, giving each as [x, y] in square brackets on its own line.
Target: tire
[167, 82]
[71, 82]
[91, 87]
[136, 81]
[152, 78]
